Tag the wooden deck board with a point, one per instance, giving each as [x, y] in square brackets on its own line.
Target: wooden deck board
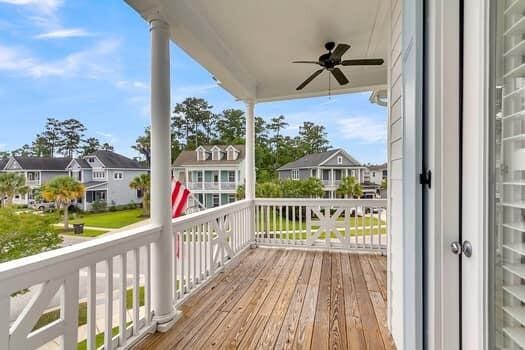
[284, 299]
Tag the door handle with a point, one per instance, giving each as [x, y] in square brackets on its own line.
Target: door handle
[458, 248]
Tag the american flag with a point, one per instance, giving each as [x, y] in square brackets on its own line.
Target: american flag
[179, 202]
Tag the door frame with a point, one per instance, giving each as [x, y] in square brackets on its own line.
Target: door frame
[475, 188]
[442, 101]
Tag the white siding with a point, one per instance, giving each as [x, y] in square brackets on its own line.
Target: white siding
[395, 186]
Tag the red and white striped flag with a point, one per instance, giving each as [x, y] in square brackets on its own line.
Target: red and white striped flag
[179, 202]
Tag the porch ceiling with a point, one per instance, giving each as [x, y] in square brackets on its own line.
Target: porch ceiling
[249, 45]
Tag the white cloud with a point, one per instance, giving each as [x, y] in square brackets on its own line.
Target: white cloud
[363, 129]
[93, 62]
[64, 33]
[44, 6]
[108, 137]
[127, 84]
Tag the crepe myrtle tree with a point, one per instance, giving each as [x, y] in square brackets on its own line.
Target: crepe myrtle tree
[63, 190]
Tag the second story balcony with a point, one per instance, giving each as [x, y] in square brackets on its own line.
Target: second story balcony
[212, 186]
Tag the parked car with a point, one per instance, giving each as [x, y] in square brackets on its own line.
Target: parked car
[42, 206]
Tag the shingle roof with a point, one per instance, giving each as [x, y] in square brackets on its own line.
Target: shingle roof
[378, 167]
[3, 163]
[38, 163]
[114, 160]
[84, 164]
[190, 157]
[309, 160]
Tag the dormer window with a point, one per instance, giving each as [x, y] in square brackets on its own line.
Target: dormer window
[231, 153]
[201, 153]
[216, 153]
[91, 160]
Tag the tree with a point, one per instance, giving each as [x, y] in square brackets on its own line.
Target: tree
[268, 190]
[142, 183]
[24, 234]
[71, 134]
[12, 184]
[312, 187]
[240, 193]
[350, 187]
[52, 133]
[313, 138]
[4, 154]
[276, 125]
[91, 145]
[384, 184]
[41, 146]
[24, 151]
[143, 145]
[107, 147]
[194, 121]
[63, 190]
[231, 127]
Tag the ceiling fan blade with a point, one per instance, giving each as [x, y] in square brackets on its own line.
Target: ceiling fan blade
[339, 51]
[339, 76]
[363, 62]
[310, 78]
[312, 62]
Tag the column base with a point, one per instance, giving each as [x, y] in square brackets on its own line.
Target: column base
[165, 322]
[253, 245]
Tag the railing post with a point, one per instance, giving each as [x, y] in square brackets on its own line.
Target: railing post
[162, 250]
[250, 165]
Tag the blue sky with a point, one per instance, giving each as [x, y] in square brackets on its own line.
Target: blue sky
[89, 59]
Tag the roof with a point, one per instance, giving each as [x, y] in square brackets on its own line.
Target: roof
[252, 60]
[313, 160]
[186, 158]
[378, 167]
[3, 163]
[41, 163]
[114, 160]
[83, 163]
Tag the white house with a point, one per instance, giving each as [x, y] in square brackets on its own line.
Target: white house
[212, 173]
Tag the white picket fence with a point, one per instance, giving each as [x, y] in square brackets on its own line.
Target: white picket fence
[203, 243]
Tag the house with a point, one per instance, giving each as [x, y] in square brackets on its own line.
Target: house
[378, 173]
[330, 167]
[212, 173]
[37, 172]
[106, 176]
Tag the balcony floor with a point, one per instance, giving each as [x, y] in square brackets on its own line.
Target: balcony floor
[277, 298]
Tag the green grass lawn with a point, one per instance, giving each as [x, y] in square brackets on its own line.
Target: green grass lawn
[86, 233]
[110, 219]
[355, 222]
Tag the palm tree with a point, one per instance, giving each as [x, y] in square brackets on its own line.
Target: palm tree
[63, 190]
[12, 184]
[350, 187]
[142, 183]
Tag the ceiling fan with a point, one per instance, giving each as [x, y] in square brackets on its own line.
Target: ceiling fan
[330, 60]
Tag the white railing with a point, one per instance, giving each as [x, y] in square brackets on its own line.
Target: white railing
[228, 185]
[350, 224]
[211, 185]
[61, 272]
[205, 241]
[195, 185]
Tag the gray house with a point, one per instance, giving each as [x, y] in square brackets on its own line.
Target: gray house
[330, 167]
[106, 176]
[37, 172]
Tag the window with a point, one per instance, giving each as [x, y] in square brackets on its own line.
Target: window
[198, 176]
[339, 160]
[231, 176]
[232, 154]
[231, 198]
[216, 200]
[91, 160]
[99, 175]
[295, 174]
[118, 175]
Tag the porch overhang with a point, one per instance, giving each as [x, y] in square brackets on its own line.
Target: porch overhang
[248, 46]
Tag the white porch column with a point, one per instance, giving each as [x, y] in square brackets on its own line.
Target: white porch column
[161, 258]
[250, 150]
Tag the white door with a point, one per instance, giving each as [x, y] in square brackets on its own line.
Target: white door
[493, 205]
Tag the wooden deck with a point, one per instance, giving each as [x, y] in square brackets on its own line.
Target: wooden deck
[282, 299]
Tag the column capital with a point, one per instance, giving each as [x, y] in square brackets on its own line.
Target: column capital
[158, 23]
[250, 103]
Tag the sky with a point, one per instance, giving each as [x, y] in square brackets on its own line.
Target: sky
[89, 60]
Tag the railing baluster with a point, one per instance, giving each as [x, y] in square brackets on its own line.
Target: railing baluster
[108, 334]
[122, 300]
[147, 284]
[182, 256]
[69, 311]
[136, 290]
[92, 307]
[5, 304]
[194, 244]
[274, 227]
[293, 225]
[300, 223]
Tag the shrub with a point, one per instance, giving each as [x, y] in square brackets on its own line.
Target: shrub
[99, 206]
